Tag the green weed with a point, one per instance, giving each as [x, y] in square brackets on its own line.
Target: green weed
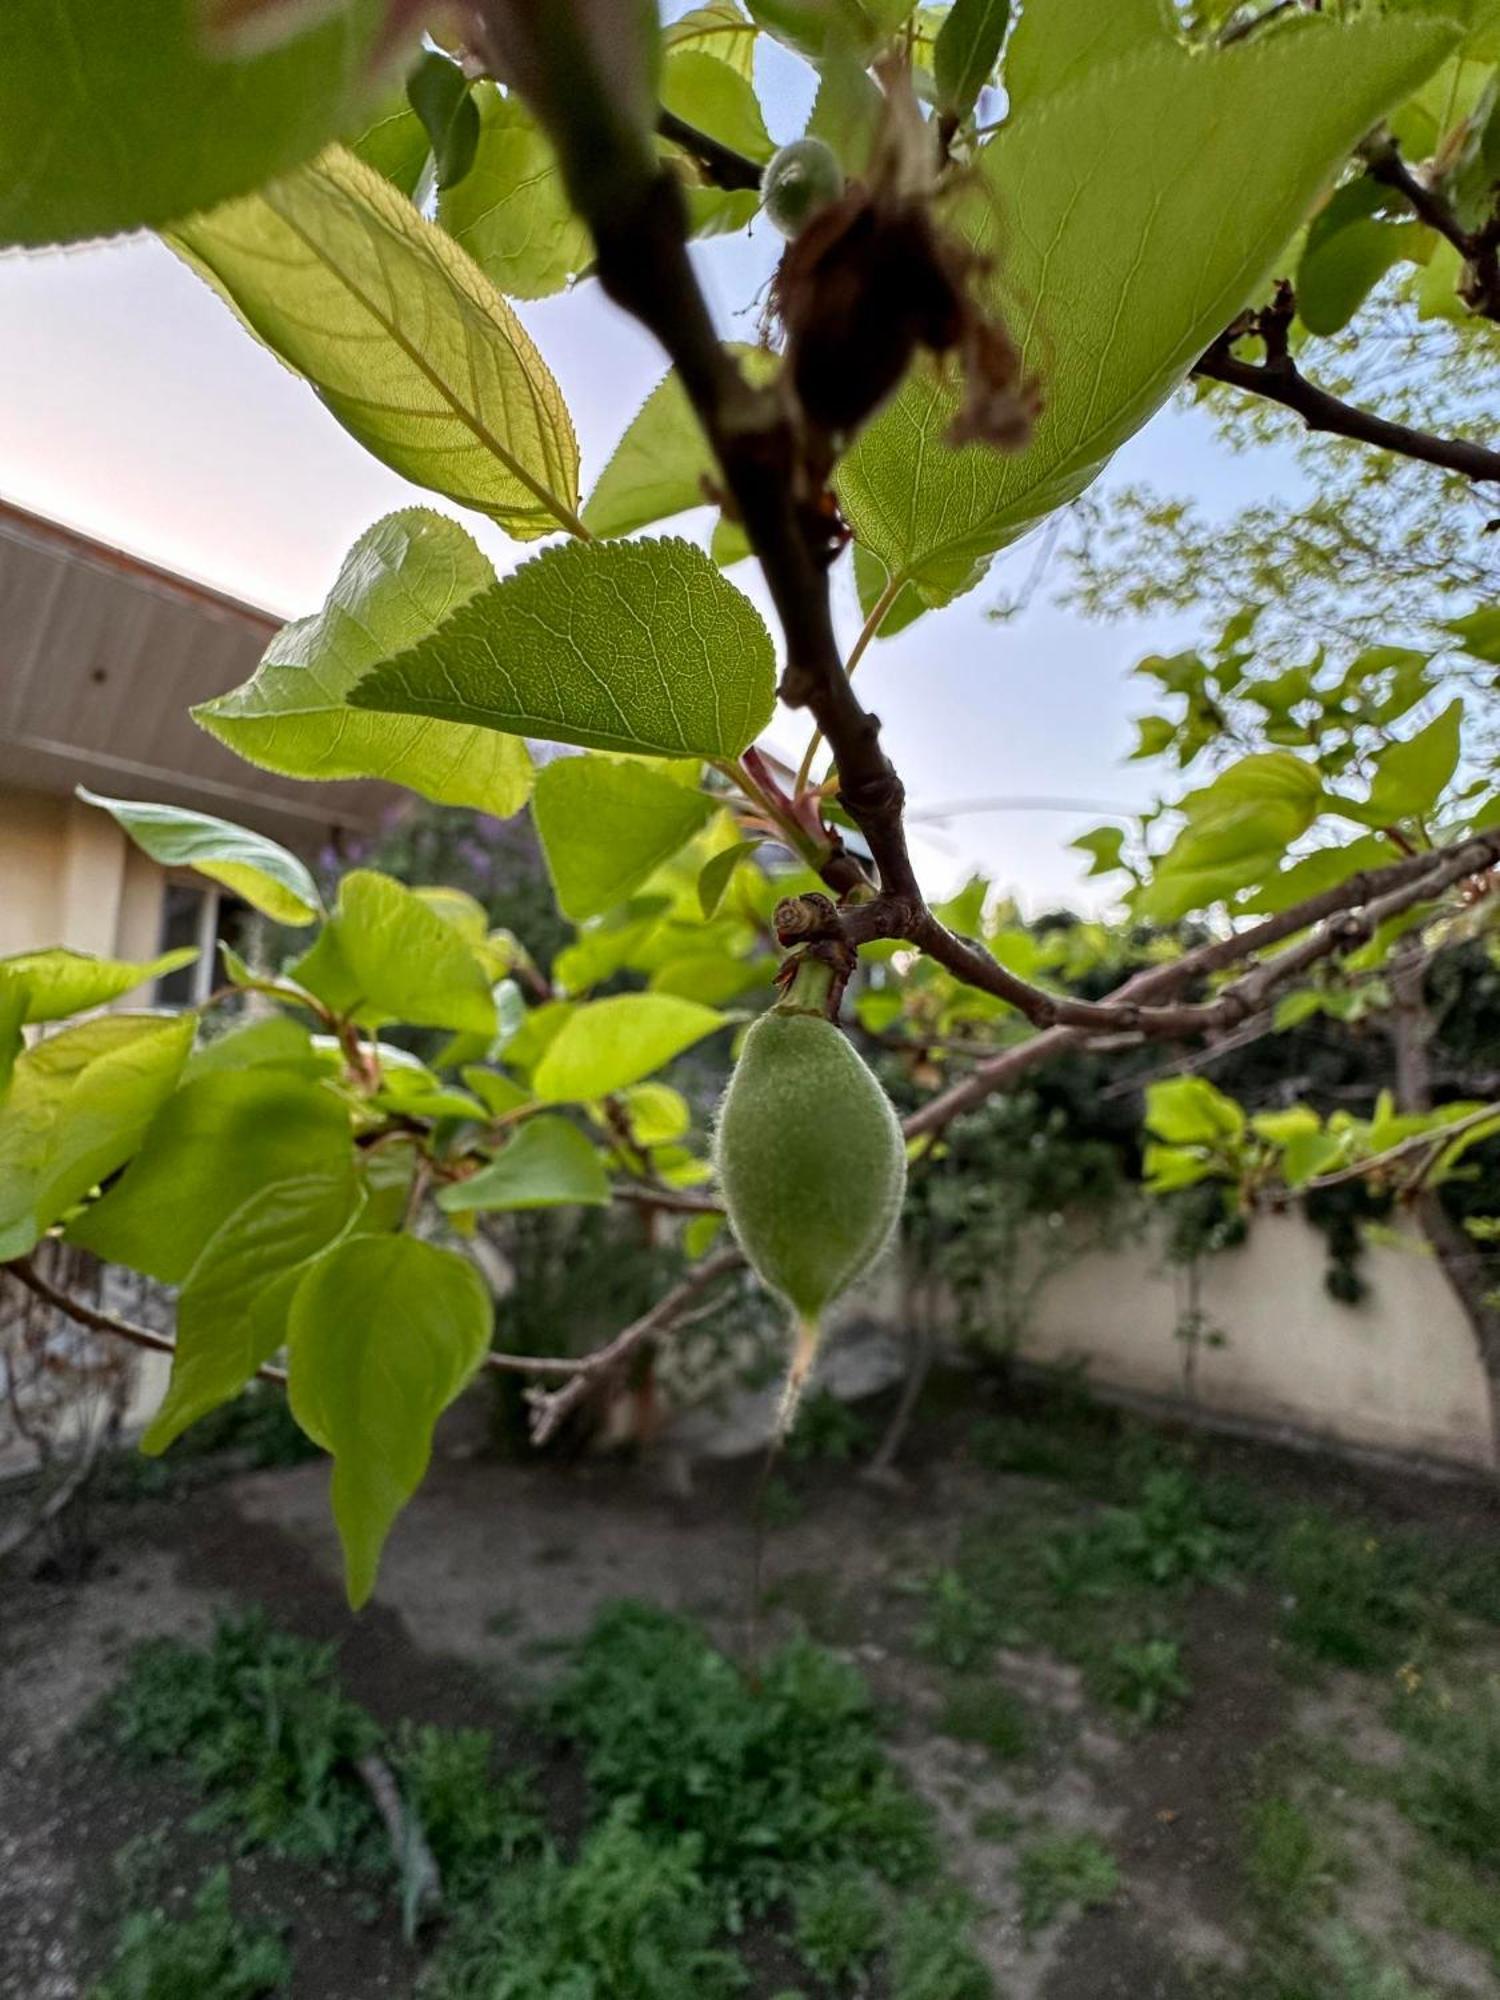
[1290, 1865]
[930, 1958]
[773, 1779]
[961, 1628]
[1354, 1599]
[630, 1919]
[477, 1820]
[1064, 1871]
[837, 1919]
[1451, 1785]
[1144, 1679]
[260, 1721]
[208, 1954]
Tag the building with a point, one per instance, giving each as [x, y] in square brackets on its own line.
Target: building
[101, 657]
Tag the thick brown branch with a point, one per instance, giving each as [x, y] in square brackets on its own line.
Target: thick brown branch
[1280, 381]
[721, 164]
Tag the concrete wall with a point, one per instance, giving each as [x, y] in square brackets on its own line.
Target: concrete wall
[1399, 1372]
[69, 876]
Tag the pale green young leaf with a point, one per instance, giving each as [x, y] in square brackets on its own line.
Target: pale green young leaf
[1409, 778]
[275, 1041]
[714, 97]
[714, 977]
[548, 1164]
[213, 1145]
[1090, 194]
[232, 1310]
[1166, 1169]
[116, 117]
[721, 27]
[655, 1113]
[384, 1333]
[402, 335]
[639, 646]
[511, 211]
[55, 983]
[846, 112]
[1323, 869]
[259, 871]
[1191, 1111]
[1238, 829]
[399, 582]
[607, 827]
[698, 1237]
[385, 955]
[814, 27]
[395, 144]
[871, 580]
[13, 1003]
[603, 1045]
[498, 1093]
[1104, 845]
[1057, 43]
[78, 1107]
[659, 467]
[968, 47]
[717, 872]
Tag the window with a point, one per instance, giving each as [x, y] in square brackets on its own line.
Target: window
[194, 913]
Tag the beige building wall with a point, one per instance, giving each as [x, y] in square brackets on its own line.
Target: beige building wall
[69, 876]
[1399, 1372]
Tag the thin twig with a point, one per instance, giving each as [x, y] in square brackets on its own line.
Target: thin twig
[25, 1273]
[1436, 1141]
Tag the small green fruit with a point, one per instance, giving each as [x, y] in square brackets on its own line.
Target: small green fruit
[811, 1163]
[799, 180]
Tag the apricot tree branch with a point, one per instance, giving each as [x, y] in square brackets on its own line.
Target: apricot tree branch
[1480, 248]
[25, 1273]
[721, 164]
[1280, 381]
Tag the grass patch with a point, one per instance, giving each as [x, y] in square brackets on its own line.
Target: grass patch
[1059, 1872]
[930, 1957]
[630, 1919]
[259, 1720]
[773, 1779]
[1291, 1866]
[1450, 1786]
[204, 1954]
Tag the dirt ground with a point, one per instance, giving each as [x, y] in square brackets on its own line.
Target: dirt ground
[496, 1564]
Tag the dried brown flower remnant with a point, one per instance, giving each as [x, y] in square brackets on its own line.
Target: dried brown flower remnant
[873, 279]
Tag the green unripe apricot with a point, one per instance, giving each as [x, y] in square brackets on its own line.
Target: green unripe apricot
[811, 1161]
[799, 180]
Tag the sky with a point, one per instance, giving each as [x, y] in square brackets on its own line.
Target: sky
[136, 409]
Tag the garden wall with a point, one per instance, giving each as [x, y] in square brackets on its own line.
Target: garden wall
[1399, 1371]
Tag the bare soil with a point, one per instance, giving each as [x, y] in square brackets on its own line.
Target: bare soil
[496, 1564]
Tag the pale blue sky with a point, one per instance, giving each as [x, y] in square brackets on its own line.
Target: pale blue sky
[136, 409]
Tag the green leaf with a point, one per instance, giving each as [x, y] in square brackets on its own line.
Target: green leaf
[1104, 846]
[498, 1093]
[721, 27]
[439, 93]
[395, 144]
[385, 1331]
[606, 828]
[847, 111]
[397, 585]
[249, 865]
[655, 1113]
[49, 985]
[548, 1164]
[213, 1145]
[659, 467]
[1323, 869]
[385, 955]
[968, 47]
[698, 1236]
[639, 646]
[404, 338]
[714, 97]
[118, 117]
[1088, 197]
[1348, 251]
[275, 1041]
[1409, 778]
[511, 211]
[604, 1045]
[1238, 829]
[717, 873]
[14, 999]
[816, 27]
[1190, 1111]
[1478, 633]
[232, 1311]
[1058, 43]
[78, 1107]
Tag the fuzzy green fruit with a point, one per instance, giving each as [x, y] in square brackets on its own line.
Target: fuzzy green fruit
[799, 180]
[810, 1159]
